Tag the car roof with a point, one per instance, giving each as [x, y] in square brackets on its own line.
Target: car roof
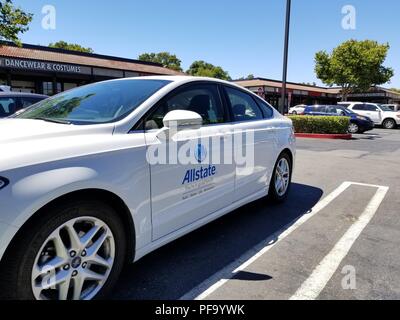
[183, 79]
[21, 94]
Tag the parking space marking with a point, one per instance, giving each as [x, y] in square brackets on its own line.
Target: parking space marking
[210, 285]
[313, 286]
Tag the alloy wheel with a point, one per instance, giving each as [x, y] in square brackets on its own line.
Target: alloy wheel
[75, 261]
[282, 177]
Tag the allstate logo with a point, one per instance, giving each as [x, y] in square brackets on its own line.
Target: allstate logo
[200, 153]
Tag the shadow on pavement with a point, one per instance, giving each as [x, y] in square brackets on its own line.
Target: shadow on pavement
[177, 268]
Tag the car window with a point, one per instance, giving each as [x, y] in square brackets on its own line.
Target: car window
[267, 109]
[28, 101]
[243, 106]
[331, 110]
[8, 107]
[319, 109]
[203, 99]
[359, 107]
[370, 107]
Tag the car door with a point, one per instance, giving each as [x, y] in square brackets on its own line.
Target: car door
[254, 143]
[182, 193]
[360, 109]
[373, 112]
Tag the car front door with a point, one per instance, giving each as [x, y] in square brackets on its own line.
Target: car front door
[184, 191]
[254, 143]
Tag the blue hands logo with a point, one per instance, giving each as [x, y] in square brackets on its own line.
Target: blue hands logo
[200, 153]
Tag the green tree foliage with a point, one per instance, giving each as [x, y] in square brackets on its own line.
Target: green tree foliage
[354, 66]
[13, 21]
[204, 69]
[70, 46]
[249, 77]
[166, 59]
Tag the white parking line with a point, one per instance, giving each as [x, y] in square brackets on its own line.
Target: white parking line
[313, 286]
[221, 277]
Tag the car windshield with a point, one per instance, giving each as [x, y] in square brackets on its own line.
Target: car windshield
[102, 102]
[385, 108]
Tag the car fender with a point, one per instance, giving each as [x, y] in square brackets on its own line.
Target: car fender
[32, 192]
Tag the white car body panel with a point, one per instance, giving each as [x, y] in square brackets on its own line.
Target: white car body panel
[44, 161]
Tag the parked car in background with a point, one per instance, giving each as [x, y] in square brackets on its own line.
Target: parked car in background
[299, 109]
[11, 102]
[379, 114]
[358, 124]
[393, 107]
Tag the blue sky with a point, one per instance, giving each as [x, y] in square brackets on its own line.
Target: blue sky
[244, 37]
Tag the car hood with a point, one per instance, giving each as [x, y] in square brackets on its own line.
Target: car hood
[17, 130]
[27, 142]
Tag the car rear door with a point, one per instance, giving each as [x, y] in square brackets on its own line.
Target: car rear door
[254, 143]
[182, 193]
[373, 112]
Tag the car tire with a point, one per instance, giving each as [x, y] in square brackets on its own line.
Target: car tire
[276, 194]
[294, 113]
[17, 277]
[389, 124]
[354, 128]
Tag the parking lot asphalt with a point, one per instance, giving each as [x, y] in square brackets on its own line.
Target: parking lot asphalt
[336, 237]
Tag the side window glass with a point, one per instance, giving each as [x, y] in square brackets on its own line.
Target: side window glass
[203, 99]
[8, 107]
[370, 107]
[244, 108]
[267, 109]
[359, 107]
[26, 102]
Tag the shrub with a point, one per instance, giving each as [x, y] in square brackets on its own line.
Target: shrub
[319, 124]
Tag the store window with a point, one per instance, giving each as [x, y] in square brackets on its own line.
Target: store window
[48, 88]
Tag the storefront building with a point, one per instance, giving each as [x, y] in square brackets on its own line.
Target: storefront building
[44, 70]
[298, 93]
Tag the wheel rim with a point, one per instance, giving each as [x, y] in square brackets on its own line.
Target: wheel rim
[353, 128]
[282, 177]
[75, 261]
[389, 124]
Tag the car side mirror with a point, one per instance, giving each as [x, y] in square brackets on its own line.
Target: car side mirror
[179, 120]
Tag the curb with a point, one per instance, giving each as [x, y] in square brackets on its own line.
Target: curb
[346, 136]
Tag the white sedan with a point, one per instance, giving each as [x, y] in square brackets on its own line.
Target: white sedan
[106, 173]
[297, 110]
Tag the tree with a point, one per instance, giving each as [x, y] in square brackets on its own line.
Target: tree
[354, 66]
[249, 77]
[204, 69]
[70, 46]
[395, 90]
[166, 59]
[13, 21]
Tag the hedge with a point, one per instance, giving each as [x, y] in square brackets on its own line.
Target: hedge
[320, 124]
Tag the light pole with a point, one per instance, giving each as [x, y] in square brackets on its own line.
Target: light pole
[285, 55]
